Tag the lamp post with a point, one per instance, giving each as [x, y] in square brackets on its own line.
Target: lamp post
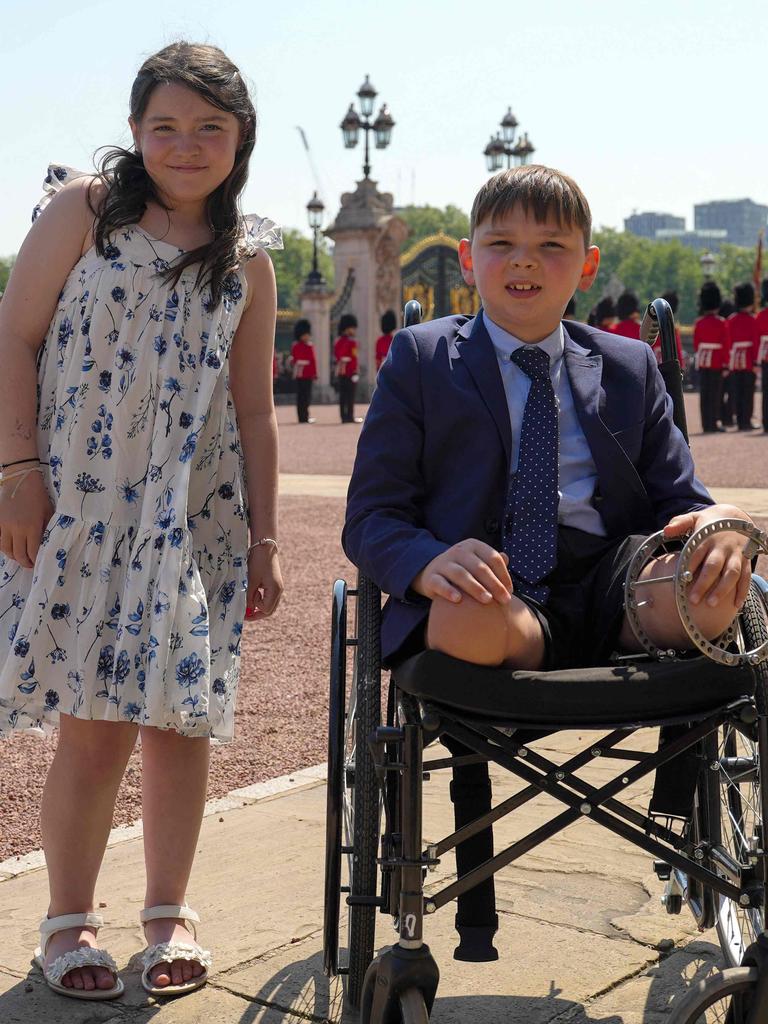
[707, 262]
[353, 122]
[315, 209]
[503, 144]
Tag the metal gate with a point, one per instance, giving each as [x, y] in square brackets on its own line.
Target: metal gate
[430, 273]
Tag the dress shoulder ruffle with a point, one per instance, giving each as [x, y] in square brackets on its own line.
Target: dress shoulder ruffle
[260, 233]
[57, 177]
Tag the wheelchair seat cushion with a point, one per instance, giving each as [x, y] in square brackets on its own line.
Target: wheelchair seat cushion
[625, 693]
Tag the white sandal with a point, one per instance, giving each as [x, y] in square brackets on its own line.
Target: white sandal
[83, 956]
[167, 952]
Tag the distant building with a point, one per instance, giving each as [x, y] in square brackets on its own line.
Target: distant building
[706, 241]
[646, 225]
[741, 219]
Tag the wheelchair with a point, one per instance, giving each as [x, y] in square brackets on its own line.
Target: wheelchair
[704, 827]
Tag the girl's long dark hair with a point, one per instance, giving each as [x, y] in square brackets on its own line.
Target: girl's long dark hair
[209, 72]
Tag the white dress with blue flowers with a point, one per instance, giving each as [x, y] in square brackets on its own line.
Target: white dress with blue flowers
[133, 611]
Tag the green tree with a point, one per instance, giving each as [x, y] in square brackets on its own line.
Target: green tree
[294, 262]
[734, 265]
[429, 220]
[5, 271]
[651, 268]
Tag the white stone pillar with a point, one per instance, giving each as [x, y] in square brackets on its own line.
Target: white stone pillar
[367, 236]
[315, 304]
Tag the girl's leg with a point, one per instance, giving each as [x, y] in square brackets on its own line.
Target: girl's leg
[76, 816]
[175, 779]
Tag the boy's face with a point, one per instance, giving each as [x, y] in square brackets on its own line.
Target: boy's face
[526, 272]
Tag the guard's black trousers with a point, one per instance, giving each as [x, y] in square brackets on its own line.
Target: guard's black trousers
[303, 398]
[710, 392]
[347, 399]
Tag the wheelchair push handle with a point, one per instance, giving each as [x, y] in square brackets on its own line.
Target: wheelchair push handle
[658, 321]
[412, 313]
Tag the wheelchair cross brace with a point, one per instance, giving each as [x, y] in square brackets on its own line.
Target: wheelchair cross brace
[740, 884]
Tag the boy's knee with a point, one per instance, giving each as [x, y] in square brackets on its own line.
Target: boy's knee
[486, 634]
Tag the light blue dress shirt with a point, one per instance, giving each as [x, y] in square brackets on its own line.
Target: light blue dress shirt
[577, 473]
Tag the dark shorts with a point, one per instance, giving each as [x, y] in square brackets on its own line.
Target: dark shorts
[583, 615]
[585, 609]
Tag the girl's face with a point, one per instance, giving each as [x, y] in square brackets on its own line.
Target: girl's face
[188, 145]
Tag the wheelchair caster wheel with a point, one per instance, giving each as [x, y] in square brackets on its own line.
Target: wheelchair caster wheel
[727, 995]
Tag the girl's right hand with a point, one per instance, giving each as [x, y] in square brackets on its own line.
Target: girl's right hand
[23, 518]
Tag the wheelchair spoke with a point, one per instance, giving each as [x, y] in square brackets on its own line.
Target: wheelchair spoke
[740, 823]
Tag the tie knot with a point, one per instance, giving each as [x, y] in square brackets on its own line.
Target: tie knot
[533, 361]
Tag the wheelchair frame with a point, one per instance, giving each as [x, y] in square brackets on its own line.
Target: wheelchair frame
[386, 772]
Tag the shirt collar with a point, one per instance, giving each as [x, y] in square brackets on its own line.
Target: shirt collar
[506, 343]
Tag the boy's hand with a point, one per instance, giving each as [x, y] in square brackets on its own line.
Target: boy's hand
[469, 567]
[718, 565]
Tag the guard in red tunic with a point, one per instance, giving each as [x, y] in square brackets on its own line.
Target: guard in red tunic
[711, 347]
[388, 327]
[761, 324]
[304, 368]
[628, 312]
[742, 331]
[345, 354]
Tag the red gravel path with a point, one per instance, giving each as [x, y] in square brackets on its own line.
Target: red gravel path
[282, 704]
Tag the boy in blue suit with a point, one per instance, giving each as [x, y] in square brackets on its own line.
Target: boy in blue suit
[510, 464]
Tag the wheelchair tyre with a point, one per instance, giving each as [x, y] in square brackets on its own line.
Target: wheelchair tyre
[362, 814]
[740, 799]
[717, 996]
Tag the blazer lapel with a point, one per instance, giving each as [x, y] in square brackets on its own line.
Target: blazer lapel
[479, 356]
[615, 472]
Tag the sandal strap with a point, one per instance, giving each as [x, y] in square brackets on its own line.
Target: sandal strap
[167, 952]
[172, 910]
[83, 957]
[50, 925]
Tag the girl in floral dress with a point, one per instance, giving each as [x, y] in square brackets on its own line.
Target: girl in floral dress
[138, 446]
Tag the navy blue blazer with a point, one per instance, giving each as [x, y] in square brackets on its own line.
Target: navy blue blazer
[432, 464]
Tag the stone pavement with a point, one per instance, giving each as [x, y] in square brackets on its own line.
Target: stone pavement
[583, 937]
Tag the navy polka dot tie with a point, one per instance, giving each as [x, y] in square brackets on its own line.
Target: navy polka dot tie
[530, 521]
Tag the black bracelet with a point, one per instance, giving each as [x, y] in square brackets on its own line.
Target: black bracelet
[18, 462]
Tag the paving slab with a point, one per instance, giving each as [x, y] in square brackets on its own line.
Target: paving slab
[581, 925]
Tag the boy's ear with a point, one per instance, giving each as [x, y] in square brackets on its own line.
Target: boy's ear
[590, 268]
[465, 261]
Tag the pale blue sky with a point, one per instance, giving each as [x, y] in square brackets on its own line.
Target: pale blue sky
[652, 105]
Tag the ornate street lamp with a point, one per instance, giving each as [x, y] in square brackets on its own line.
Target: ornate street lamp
[353, 122]
[315, 210]
[707, 262]
[503, 145]
[494, 154]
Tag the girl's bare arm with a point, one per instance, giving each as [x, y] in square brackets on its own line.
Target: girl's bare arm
[50, 250]
[52, 247]
[251, 385]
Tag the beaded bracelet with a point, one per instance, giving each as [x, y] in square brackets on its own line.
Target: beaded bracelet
[22, 474]
[264, 540]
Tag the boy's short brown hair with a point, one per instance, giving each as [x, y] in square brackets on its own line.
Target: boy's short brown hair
[542, 190]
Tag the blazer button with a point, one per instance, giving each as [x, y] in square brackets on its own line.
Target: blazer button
[491, 526]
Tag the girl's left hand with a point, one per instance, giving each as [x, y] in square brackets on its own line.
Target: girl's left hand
[265, 583]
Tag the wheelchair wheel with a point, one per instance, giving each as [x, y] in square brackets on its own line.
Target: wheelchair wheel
[362, 803]
[741, 821]
[352, 830]
[722, 997]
